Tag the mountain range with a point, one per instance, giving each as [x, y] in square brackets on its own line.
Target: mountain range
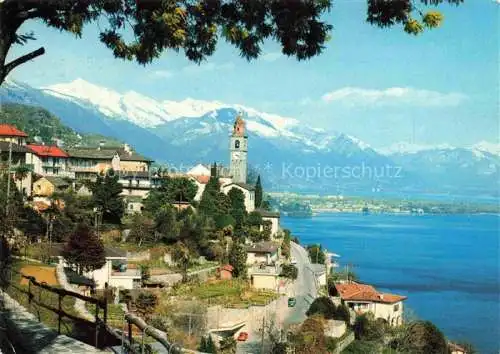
[289, 154]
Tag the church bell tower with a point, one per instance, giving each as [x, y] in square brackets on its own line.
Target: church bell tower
[238, 150]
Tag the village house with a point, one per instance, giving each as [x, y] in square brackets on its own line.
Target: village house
[273, 218]
[45, 187]
[265, 252]
[114, 272]
[49, 161]
[10, 134]
[363, 298]
[87, 162]
[248, 192]
[263, 265]
[14, 140]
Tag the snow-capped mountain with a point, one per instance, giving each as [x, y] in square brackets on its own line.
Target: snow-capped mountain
[190, 131]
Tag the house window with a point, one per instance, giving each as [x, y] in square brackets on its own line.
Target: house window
[237, 144]
[396, 307]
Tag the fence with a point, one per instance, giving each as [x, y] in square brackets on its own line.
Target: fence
[44, 300]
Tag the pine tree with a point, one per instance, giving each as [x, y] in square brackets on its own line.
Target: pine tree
[84, 250]
[258, 193]
[106, 195]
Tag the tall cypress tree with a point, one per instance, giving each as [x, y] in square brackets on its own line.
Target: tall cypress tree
[258, 193]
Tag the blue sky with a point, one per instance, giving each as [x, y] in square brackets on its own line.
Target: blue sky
[376, 84]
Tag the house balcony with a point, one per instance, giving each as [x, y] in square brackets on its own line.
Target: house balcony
[131, 273]
[83, 169]
[265, 269]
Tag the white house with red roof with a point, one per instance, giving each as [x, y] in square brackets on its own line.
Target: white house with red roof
[50, 161]
[9, 133]
[363, 298]
[13, 145]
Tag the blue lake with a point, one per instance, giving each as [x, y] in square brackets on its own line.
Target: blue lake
[447, 265]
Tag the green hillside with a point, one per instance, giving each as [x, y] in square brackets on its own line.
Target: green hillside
[38, 122]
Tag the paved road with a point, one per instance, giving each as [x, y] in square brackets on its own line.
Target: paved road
[305, 288]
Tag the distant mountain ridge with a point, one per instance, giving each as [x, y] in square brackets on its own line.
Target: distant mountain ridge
[283, 149]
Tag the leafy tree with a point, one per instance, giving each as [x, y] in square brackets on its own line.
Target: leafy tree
[342, 314]
[266, 230]
[366, 328]
[238, 259]
[84, 250]
[258, 193]
[171, 190]
[145, 273]
[143, 229]
[420, 337]
[62, 227]
[166, 223]
[145, 304]
[106, 195]
[21, 172]
[316, 254]
[228, 345]
[323, 306]
[310, 338]
[182, 257]
[195, 28]
[216, 252]
[285, 245]
[289, 271]
[254, 219]
[31, 224]
[224, 220]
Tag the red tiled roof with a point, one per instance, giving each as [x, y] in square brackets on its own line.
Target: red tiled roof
[202, 179]
[362, 292]
[10, 130]
[227, 267]
[45, 150]
[40, 206]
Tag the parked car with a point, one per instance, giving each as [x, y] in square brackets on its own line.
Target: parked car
[243, 336]
[291, 301]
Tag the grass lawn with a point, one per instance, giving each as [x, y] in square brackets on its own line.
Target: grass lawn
[41, 273]
[230, 293]
[115, 314]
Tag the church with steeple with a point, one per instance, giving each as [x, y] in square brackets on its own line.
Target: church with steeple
[238, 150]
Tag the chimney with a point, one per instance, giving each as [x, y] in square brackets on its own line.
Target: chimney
[101, 144]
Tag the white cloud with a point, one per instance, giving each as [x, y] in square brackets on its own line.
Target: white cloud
[273, 56]
[393, 96]
[196, 69]
[163, 74]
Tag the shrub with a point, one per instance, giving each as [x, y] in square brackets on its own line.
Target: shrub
[323, 306]
[366, 328]
[289, 271]
[420, 337]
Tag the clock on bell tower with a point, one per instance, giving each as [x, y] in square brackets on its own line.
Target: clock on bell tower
[238, 151]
